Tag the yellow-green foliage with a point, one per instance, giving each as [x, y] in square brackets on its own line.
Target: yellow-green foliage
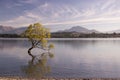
[51, 46]
[37, 34]
[51, 55]
[37, 31]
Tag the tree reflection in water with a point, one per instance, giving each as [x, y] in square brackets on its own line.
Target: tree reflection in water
[38, 67]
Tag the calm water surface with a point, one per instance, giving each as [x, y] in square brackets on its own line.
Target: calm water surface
[72, 58]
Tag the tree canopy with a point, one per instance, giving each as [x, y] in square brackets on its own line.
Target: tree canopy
[38, 35]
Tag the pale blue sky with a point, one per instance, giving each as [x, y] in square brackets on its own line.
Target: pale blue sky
[102, 15]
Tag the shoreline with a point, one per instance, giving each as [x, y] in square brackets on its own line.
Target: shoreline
[22, 78]
[64, 39]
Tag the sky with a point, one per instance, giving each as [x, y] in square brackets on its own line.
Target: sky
[102, 15]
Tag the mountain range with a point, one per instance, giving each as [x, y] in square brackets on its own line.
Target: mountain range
[5, 29]
[11, 30]
[114, 31]
[79, 29]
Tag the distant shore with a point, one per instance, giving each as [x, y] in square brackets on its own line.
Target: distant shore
[18, 78]
[70, 35]
[5, 78]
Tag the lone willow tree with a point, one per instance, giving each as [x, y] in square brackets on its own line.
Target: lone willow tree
[37, 35]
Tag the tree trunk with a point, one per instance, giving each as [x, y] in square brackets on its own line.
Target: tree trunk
[29, 52]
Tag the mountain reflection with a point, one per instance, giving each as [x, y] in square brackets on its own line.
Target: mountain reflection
[11, 44]
[38, 66]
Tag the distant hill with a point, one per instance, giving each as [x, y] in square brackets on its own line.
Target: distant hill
[114, 31]
[79, 29]
[11, 30]
[18, 30]
[5, 29]
[74, 32]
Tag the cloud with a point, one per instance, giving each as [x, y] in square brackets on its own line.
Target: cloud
[45, 5]
[21, 20]
[107, 4]
[28, 1]
[32, 16]
[50, 13]
[44, 13]
[88, 21]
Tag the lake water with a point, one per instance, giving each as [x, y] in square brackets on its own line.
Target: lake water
[86, 58]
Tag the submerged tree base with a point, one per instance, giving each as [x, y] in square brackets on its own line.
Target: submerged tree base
[29, 52]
